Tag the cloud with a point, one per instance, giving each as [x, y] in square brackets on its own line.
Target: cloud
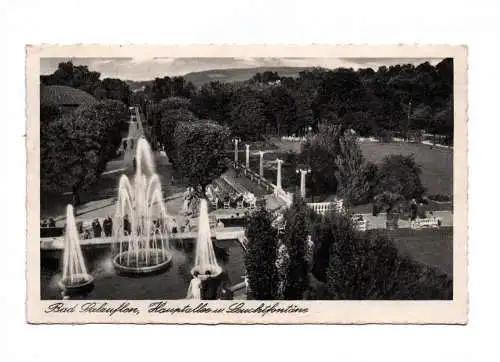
[146, 68]
[390, 61]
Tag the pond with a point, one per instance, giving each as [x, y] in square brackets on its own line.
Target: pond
[171, 283]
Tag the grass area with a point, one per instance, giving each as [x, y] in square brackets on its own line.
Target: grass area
[436, 163]
[429, 246]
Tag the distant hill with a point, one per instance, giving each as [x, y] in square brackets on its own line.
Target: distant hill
[239, 75]
[224, 75]
[136, 85]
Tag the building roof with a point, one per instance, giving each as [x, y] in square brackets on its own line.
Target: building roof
[62, 95]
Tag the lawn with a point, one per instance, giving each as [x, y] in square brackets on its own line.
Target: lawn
[436, 163]
[429, 246]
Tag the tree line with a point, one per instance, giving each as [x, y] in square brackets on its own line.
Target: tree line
[397, 99]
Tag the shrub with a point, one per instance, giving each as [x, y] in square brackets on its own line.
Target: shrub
[260, 257]
[400, 174]
[368, 266]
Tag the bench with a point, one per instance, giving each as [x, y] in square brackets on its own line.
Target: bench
[430, 222]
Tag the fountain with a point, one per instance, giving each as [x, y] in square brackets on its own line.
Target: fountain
[140, 226]
[75, 276]
[205, 263]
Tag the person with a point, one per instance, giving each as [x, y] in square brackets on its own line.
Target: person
[126, 225]
[44, 223]
[86, 234]
[174, 226]
[194, 289]
[110, 225]
[52, 223]
[96, 227]
[413, 212]
[105, 226]
[187, 225]
[220, 224]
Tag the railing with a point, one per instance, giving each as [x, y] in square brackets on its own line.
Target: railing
[427, 222]
[293, 139]
[324, 207]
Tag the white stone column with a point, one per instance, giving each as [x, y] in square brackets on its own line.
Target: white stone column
[261, 164]
[235, 141]
[278, 174]
[303, 174]
[247, 160]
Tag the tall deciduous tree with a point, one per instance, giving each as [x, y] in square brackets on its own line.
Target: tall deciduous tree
[295, 239]
[116, 89]
[109, 118]
[400, 174]
[199, 150]
[354, 185]
[248, 115]
[74, 149]
[168, 113]
[76, 76]
[319, 153]
[260, 258]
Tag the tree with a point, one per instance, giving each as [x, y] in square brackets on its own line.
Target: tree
[199, 150]
[69, 156]
[169, 120]
[260, 258]
[326, 231]
[76, 76]
[281, 110]
[116, 89]
[75, 148]
[212, 101]
[295, 239]
[110, 119]
[368, 266]
[49, 112]
[400, 174]
[354, 185]
[364, 269]
[247, 115]
[319, 153]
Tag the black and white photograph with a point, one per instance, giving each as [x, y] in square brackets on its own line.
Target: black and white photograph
[239, 179]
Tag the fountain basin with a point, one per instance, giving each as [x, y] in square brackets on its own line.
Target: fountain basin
[79, 283]
[142, 267]
[213, 271]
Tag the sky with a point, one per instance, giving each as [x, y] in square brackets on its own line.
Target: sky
[149, 68]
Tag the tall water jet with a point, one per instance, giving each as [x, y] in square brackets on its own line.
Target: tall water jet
[75, 275]
[205, 262]
[140, 226]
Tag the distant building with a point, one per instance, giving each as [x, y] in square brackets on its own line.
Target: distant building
[64, 97]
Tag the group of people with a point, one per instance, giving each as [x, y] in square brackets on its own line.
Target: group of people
[417, 210]
[197, 288]
[97, 229]
[174, 227]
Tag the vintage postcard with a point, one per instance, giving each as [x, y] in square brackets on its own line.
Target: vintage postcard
[247, 184]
